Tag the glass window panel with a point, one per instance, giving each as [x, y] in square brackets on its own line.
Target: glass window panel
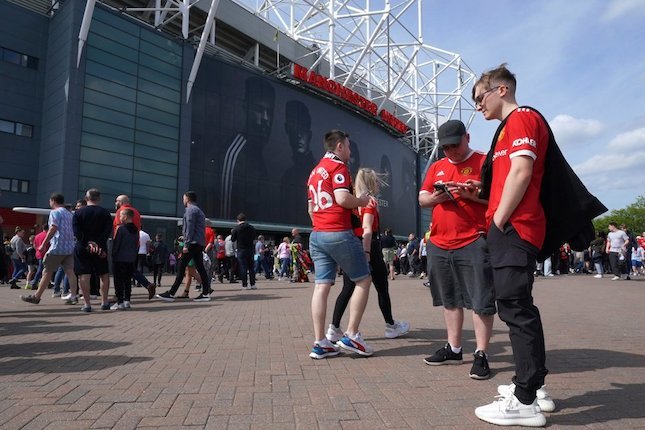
[155, 206]
[105, 186]
[108, 115]
[157, 116]
[7, 126]
[24, 186]
[154, 179]
[158, 103]
[156, 154]
[24, 58]
[112, 88]
[95, 170]
[119, 63]
[110, 102]
[112, 47]
[143, 165]
[155, 141]
[11, 56]
[5, 184]
[154, 193]
[161, 53]
[105, 157]
[116, 21]
[102, 142]
[110, 74]
[159, 78]
[161, 41]
[109, 130]
[14, 185]
[32, 63]
[24, 130]
[160, 66]
[159, 91]
[157, 128]
[114, 34]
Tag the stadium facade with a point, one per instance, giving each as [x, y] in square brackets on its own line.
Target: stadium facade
[116, 113]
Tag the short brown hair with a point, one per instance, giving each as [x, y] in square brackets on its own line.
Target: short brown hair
[332, 137]
[499, 74]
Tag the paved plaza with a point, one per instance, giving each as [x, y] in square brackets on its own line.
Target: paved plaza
[241, 362]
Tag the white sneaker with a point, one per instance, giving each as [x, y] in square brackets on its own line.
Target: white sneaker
[397, 329]
[544, 400]
[126, 304]
[598, 276]
[66, 296]
[508, 411]
[333, 333]
[355, 344]
[615, 278]
[117, 307]
[324, 349]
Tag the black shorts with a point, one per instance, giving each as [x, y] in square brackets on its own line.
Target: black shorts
[87, 264]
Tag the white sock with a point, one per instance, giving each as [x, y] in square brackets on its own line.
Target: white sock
[455, 350]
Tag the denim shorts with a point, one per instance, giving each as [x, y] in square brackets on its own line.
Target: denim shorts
[330, 249]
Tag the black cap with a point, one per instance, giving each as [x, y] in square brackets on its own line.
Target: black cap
[451, 132]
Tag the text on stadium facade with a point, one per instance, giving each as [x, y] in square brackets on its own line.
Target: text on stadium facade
[333, 87]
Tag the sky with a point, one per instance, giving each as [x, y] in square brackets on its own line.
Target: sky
[579, 62]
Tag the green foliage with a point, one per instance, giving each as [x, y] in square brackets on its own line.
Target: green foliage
[633, 216]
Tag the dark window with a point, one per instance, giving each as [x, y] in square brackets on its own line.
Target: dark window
[24, 60]
[24, 130]
[7, 126]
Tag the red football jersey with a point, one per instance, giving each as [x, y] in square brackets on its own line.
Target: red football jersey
[456, 225]
[329, 175]
[524, 133]
[371, 208]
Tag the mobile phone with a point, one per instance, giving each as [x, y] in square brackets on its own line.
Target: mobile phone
[441, 187]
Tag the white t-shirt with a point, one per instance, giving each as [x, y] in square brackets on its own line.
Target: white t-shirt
[616, 240]
[144, 238]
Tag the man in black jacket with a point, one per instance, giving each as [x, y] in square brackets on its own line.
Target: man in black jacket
[244, 234]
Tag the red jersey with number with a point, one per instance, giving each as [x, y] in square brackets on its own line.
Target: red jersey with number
[371, 208]
[330, 175]
[524, 134]
[459, 223]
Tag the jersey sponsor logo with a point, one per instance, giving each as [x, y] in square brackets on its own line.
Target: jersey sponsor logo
[501, 153]
[440, 173]
[524, 141]
[322, 172]
[339, 178]
[466, 171]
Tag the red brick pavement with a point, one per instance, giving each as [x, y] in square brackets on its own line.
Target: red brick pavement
[241, 362]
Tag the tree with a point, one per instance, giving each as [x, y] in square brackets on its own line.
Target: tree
[633, 216]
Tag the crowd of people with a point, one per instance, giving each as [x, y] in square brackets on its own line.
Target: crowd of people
[479, 254]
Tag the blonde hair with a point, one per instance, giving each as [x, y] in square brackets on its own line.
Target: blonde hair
[369, 181]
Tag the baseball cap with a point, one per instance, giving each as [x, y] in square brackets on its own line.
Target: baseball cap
[450, 132]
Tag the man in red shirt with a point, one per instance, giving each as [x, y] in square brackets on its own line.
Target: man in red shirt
[461, 273]
[516, 231]
[333, 243]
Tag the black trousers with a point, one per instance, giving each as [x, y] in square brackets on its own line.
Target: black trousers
[195, 253]
[245, 261]
[123, 280]
[513, 263]
[379, 273]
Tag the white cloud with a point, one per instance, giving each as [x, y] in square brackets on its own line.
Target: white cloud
[631, 141]
[570, 131]
[618, 8]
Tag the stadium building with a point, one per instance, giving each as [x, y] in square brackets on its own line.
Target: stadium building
[154, 97]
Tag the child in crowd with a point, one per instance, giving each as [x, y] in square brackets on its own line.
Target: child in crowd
[124, 257]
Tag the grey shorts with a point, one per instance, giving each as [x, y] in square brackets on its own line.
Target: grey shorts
[462, 278]
[51, 262]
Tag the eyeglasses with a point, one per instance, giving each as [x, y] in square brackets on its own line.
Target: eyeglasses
[480, 98]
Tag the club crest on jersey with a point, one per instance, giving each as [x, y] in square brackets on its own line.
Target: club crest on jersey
[466, 171]
[339, 178]
[501, 134]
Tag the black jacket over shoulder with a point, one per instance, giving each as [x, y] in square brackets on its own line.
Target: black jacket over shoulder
[568, 207]
[243, 234]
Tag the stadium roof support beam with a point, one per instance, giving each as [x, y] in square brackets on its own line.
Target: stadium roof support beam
[208, 26]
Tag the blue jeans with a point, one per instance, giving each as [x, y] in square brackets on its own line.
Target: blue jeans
[330, 249]
[19, 268]
[59, 277]
[284, 266]
[38, 274]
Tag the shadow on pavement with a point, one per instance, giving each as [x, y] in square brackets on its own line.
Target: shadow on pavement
[247, 296]
[73, 364]
[35, 326]
[625, 401]
[34, 349]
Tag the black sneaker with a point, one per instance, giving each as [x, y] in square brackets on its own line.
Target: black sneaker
[14, 284]
[480, 369]
[30, 299]
[198, 287]
[166, 297]
[105, 307]
[444, 356]
[202, 298]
